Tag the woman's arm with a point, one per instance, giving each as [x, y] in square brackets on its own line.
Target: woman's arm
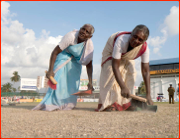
[146, 77]
[54, 54]
[89, 69]
[115, 66]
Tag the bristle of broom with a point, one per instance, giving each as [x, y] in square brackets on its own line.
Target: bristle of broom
[88, 91]
[51, 85]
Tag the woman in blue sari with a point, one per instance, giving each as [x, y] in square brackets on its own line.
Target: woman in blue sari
[74, 50]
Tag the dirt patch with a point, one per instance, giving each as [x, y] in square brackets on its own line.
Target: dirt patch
[82, 122]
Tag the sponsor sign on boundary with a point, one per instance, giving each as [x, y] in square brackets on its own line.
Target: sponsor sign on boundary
[28, 84]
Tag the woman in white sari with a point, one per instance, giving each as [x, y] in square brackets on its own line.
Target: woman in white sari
[118, 68]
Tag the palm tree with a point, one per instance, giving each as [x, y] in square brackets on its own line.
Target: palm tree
[19, 88]
[15, 77]
[14, 89]
[6, 87]
[142, 88]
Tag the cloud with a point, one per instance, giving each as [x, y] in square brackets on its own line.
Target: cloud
[158, 41]
[172, 21]
[169, 27]
[20, 50]
[155, 50]
[4, 12]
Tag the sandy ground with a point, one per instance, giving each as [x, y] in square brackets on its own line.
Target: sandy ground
[20, 122]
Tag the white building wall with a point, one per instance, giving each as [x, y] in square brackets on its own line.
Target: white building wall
[42, 81]
[160, 85]
[39, 80]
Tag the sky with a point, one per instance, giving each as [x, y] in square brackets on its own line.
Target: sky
[30, 30]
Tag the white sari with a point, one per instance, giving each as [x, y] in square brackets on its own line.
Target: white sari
[110, 91]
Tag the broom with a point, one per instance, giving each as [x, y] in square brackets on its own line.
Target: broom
[83, 93]
[140, 103]
[52, 82]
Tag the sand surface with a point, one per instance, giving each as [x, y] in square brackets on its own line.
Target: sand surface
[83, 122]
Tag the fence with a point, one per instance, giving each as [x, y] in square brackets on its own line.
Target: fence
[9, 94]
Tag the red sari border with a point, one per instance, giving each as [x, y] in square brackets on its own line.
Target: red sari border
[143, 49]
[109, 58]
[122, 33]
[117, 106]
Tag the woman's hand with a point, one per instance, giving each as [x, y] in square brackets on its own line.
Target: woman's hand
[125, 92]
[49, 73]
[90, 87]
[149, 100]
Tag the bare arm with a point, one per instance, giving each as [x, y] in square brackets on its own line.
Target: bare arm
[54, 54]
[115, 66]
[89, 69]
[146, 78]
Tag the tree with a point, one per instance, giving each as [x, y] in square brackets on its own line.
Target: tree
[142, 88]
[14, 89]
[16, 77]
[6, 87]
[19, 88]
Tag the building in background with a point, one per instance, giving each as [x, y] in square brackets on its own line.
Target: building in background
[42, 85]
[163, 73]
[42, 82]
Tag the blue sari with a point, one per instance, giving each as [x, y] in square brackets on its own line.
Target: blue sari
[68, 80]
